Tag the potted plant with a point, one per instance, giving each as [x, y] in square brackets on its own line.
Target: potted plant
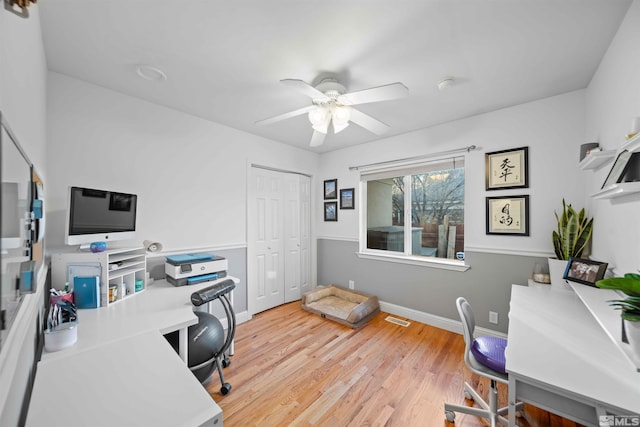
[570, 239]
[629, 307]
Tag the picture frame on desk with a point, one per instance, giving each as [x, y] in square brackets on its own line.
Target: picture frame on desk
[584, 271]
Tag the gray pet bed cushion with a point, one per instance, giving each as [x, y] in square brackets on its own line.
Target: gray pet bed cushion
[349, 307]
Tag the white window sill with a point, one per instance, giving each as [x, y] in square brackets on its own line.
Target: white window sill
[445, 264]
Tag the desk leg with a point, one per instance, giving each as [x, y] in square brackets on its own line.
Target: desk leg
[183, 345]
[512, 401]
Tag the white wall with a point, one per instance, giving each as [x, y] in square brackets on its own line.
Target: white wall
[190, 174]
[613, 99]
[22, 101]
[552, 128]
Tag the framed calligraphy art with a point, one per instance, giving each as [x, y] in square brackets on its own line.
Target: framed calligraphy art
[507, 169]
[508, 215]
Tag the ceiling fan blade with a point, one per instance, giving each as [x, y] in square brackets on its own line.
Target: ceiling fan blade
[285, 115]
[374, 94]
[317, 139]
[368, 122]
[306, 89]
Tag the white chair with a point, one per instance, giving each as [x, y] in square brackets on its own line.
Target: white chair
[485, 357]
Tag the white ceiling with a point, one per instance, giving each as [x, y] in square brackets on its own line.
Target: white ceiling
[224, 59]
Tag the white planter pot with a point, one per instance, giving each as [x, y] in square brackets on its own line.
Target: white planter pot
[556, 271]
[633, 335]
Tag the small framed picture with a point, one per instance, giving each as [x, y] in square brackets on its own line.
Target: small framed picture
[347, 198]
[584, 271]
[507, 169]
[331, 189]
[508, 215]
[618, 169]
[330, 211]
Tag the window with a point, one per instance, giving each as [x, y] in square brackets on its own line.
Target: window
[415, 211]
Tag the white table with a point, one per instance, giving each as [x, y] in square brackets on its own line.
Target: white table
[560, 359]
[122, 371]
[160, 307]
[136, 381]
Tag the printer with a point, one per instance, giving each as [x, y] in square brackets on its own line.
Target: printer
[189, 269]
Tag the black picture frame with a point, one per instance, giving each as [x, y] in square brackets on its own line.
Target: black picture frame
[507, 169]
[618, 169]
[585, 271]
[508, 215]
[331, 211]
[347, 198]
[330, 189]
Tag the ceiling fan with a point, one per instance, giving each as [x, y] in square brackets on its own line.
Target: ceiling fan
[331, 105]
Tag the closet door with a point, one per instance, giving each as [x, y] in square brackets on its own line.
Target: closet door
[266, 238]
[278, 230]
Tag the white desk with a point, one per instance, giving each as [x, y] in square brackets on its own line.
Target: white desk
[161, 307]
[136, 381]
[122, 371]
[560, 359]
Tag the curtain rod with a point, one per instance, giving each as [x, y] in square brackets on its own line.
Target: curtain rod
[426, 156]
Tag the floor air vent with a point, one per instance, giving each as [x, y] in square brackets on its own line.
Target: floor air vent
[397, 321]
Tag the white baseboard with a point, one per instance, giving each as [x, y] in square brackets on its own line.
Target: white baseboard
[433, 320]
[241, 317]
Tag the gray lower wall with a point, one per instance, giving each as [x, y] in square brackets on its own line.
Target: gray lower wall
[237, 258]
[486, 285]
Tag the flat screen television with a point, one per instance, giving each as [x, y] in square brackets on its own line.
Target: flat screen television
[99, 216]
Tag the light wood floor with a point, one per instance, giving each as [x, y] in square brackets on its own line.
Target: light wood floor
[293, 368]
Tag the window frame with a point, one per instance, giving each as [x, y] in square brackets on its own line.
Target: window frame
[405, 257]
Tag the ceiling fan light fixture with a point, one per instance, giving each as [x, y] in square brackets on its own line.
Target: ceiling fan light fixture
[338, 127]
[322, 127]
[318, 116]
[341, 114]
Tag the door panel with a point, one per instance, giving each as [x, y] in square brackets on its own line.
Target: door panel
[305, 233]
[266, 238]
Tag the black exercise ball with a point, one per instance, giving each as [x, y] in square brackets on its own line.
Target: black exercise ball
[206, 339]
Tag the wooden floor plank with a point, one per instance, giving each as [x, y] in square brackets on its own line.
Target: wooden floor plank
[293, 368]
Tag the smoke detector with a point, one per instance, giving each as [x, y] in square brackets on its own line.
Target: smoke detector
[445, 83]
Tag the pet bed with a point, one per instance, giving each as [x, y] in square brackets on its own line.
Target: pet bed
[345, 306]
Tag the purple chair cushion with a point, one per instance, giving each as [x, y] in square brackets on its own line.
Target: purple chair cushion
[489, 351]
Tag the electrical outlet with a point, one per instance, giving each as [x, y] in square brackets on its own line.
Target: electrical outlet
[352, 284]
[493, 317]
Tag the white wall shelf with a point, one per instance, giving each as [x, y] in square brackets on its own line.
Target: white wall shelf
[596, 159]
[617, 190]
[632, 145]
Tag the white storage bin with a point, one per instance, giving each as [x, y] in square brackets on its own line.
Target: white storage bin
[63, 336]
